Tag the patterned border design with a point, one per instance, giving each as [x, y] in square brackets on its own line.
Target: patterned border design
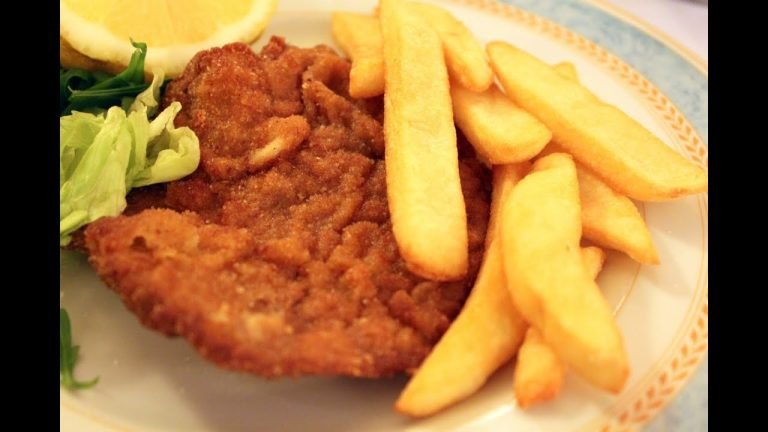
[671, 378]
[689, 354]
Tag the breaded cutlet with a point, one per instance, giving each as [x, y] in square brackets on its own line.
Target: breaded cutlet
[276, 257]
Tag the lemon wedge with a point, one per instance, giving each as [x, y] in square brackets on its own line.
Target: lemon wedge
[174, 30]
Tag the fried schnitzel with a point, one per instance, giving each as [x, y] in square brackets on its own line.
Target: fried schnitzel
[276, 257]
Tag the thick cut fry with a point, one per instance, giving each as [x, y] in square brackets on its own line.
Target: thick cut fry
[539, 372]
[609, 218]
[484, 336]
[423, 188]
[360, 38]
[464, 55]
[500, 131]
[593, 259]
[612, 220]
[567, 70]
[614, 146]
[540, 233]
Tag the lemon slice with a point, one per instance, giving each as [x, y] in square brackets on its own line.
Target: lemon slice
[174, 30]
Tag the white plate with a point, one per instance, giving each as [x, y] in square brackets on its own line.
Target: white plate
[150, 383]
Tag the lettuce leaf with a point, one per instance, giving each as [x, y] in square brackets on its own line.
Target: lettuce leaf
[103, 156]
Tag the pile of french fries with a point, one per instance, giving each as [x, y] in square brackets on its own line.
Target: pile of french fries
[566, 167]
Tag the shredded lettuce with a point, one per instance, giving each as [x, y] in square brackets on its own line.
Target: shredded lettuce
[104, 155]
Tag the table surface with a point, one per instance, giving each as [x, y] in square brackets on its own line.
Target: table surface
[687, 23]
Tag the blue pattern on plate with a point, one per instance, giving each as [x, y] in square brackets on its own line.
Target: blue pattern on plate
[687, 88]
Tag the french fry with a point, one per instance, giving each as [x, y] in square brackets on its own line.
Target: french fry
[484, 336]
[607, 217]
[539, 373]
[617, 148]
[426, 204]
[359, 37]
[567, 70]
[612, 220]
[464, 55]
[540, 234]
[593, 259]
[500, 131]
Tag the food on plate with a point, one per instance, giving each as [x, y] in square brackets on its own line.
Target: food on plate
[111, 139]
[359, 37]
[539, 373]
[567, 70]
[593, 258]
[98, 34]
[92, 91]
[291, 267]
[484, 336]
[330, 231]
[500, 131]
[104, 154]
[609, 218]
[423, 187]
[612, 220]
[540, 235]
[464, 55]
[623, 153]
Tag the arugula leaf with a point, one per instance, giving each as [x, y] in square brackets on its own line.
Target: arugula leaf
[81, 89]
[90, 98]
[72, 79]
[68, 356]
